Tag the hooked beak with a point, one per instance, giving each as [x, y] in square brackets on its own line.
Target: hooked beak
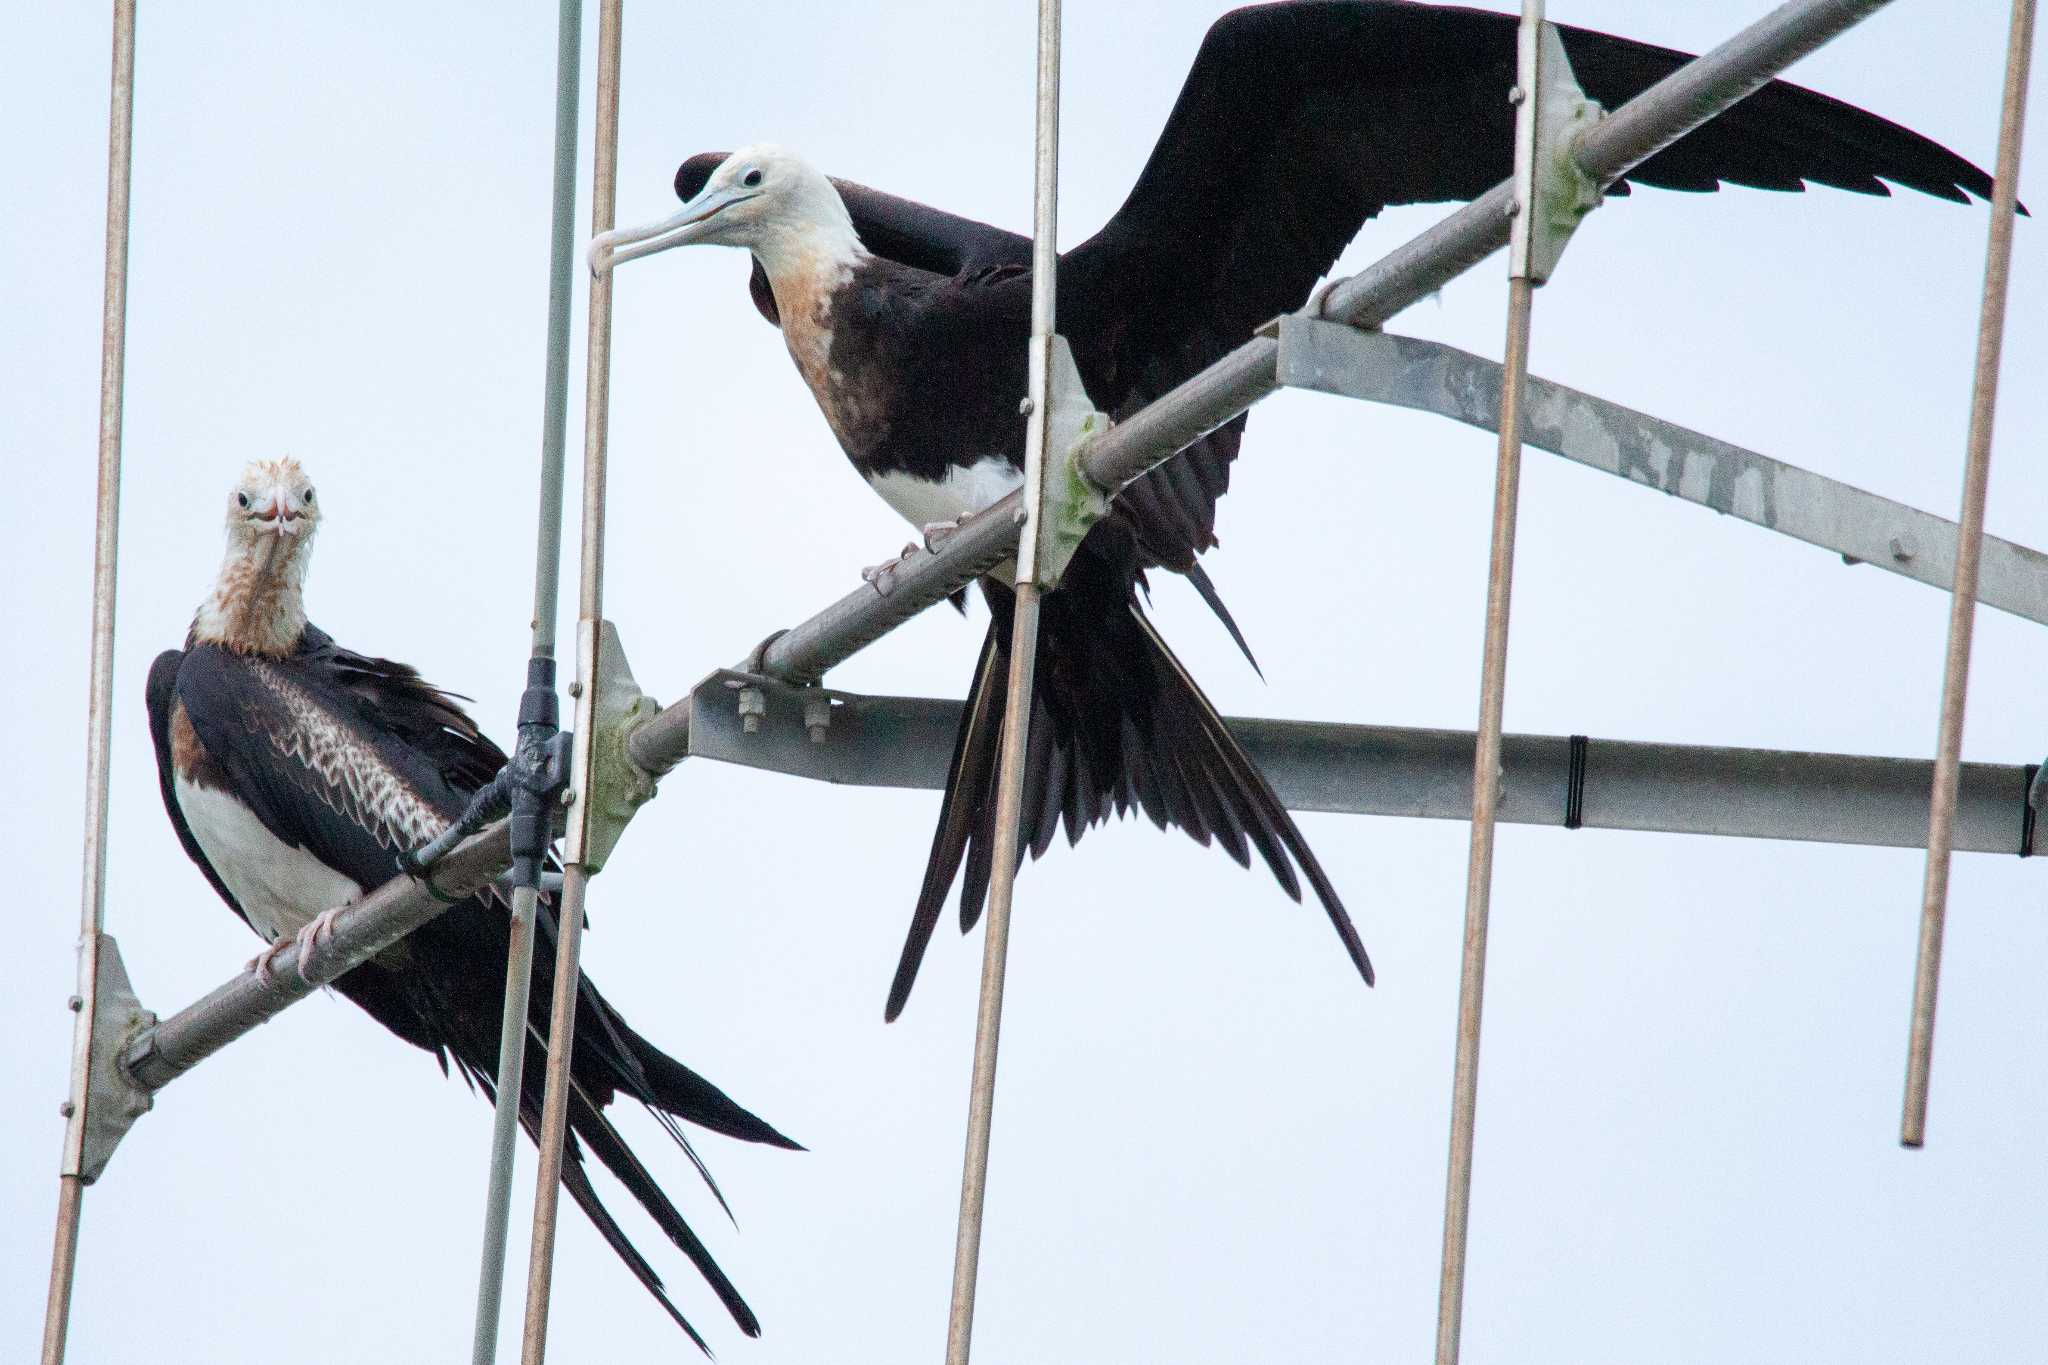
[684, 226]
[279, 515]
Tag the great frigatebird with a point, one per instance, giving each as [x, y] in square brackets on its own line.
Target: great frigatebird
[1297, 123]
[295, 771]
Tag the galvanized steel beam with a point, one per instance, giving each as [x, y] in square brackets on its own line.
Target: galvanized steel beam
[879, 741]
[1860, 526]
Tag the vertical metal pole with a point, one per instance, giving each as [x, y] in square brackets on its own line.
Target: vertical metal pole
[100, 707]
[1969, 548]
[988, 1022]
[1492, 694]
[546, 591]
[554, 1123]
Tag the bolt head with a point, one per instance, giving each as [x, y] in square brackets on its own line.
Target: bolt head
[576, 688]
[1904, 548]
[66, 1109]
[568, 797]
[1025, 407]
[817, 734]
[1516, 94]
[74, 1004]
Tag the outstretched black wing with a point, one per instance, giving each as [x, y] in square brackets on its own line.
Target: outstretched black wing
[1298, 122]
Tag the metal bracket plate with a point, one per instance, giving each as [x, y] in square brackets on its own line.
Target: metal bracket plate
[1552, 195]
[112, 1100]
[1070, 502]
[1860, 526]
[618, 785]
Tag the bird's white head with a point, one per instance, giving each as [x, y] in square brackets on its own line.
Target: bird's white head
[273, 500]
[763, 198]
[257, 604]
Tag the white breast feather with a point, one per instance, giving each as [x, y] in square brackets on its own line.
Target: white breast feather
[921, 502]
[279, 887]
[359, 785]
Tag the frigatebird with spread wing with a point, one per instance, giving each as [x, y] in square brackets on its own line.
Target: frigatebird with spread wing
[1297, 123]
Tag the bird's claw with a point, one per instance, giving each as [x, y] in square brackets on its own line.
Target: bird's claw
[264, 964]
[882, 577]
[314, 936]
[937, 533]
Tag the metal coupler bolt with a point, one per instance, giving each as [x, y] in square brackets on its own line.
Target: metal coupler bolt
[576, 688]
[753, 706]
[817, 715]
[1516, 94]
[66, 1109]
[1025, 407]
[568, 796]
[74, 1004]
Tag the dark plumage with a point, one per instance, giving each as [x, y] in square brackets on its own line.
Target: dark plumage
[1297, 123]
[294, 771]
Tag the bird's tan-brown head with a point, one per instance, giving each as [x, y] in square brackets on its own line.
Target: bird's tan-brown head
[257, 605]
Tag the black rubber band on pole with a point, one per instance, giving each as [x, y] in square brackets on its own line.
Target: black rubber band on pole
[2027, 811]
[1575, 784]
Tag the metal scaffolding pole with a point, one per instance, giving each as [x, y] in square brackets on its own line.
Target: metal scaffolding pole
[1568, 781]
[537, 711]
[100, 708]
[1030, 580]
[1492, 696]
[576, 871]
[1963, 596]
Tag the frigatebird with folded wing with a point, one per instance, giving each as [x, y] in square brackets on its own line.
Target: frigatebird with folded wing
[296, 771]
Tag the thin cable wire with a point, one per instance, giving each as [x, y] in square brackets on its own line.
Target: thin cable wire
[554, 1124]
[988, 1022]
[100, 707]
[1962, 617]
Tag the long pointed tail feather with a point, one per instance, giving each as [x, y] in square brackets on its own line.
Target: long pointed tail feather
[1117, 722]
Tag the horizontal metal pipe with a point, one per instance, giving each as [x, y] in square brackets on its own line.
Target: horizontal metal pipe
[162, 1053]
[1391, 770]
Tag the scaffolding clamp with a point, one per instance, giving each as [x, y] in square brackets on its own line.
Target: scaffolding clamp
[113, 1099]
[1561, 191]
[1070, 502]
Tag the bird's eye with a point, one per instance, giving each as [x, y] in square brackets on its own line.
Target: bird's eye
[242, 500]
[307, 497]
[751, 179]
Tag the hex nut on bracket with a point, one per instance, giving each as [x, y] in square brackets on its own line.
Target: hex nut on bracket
[817, 713]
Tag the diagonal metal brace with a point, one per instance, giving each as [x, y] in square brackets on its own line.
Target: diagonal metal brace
[1072, 502]
[1558, 194]
[113, 1101]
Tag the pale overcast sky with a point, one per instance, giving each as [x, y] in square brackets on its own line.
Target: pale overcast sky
[1211, 1143]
